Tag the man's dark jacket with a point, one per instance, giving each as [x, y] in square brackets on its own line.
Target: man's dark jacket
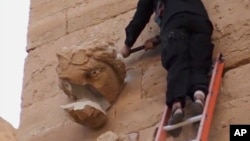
[145, 8]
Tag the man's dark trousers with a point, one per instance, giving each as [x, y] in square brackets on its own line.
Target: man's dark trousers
[186, 55]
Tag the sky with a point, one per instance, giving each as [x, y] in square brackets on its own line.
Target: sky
[13, 33]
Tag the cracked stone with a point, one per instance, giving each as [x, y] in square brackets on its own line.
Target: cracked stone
[87, 113]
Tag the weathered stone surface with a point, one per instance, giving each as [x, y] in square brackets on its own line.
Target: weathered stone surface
[46, 30]
[36, 88]
[70, 16]
[93, 63]
[66, 23]
[41, 89]
[148, 133]
[149, 75]
[108, 136]
[231, 91]
[42, 117]
[7, 131]
[231, 30]
[232, 112]
[93, 13]
[87, 113]
[134, 136]
[111, 136]
[232, 103]
[38, 7]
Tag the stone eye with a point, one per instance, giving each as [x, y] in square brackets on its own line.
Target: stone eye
[95, 72]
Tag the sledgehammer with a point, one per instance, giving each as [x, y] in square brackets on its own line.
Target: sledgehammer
[119, 55]
[156, 42]
[137, 49]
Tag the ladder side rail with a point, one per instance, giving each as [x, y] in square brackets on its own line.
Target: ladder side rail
[214, 88]
[161, 134]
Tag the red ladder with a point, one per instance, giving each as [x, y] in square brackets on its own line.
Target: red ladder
[207, 115]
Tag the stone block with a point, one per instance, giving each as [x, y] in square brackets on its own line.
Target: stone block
[229, 89]
[83, 16]
[231, 30]
[46, 30]
[7, 131]
[39, 9]
[42, 117]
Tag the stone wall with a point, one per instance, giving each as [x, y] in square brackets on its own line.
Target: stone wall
[54, 24]
[7, 131]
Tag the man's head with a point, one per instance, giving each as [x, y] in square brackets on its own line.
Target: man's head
[93, 63]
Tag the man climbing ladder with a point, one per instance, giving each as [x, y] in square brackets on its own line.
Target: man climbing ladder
[207, 115]
[186, 50]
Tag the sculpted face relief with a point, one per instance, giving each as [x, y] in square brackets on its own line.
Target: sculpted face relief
[93, 64]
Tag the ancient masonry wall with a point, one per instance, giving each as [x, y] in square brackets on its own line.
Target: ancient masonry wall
[7, 131]
[54, 24]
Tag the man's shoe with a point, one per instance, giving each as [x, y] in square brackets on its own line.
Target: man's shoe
[197, 107]
[176, 117]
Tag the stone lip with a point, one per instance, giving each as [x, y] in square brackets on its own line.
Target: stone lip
[86, 113]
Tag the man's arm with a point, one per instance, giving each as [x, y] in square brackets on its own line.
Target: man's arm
[145, 9]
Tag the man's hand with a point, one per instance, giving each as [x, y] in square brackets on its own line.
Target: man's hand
[125, 51]
[151, 43]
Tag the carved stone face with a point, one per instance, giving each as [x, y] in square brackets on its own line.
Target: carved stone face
[94, 64]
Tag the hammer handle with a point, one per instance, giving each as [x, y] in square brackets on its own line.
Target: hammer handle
[142, 46]
[137, 49]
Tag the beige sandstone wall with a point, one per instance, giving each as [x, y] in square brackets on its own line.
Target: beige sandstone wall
[57, 23]
[7, 131]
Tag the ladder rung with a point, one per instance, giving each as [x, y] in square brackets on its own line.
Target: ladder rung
[186, 122]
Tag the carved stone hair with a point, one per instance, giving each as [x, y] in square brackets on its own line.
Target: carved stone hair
[99, 50]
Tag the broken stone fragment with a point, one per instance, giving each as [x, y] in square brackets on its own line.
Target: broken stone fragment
[87, 113]
[84, 92]
[94, 63]
[111, 136]
[123, 137]
[134, 136]
[108, 136]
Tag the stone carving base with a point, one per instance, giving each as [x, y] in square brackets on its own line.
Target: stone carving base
[87, 113]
